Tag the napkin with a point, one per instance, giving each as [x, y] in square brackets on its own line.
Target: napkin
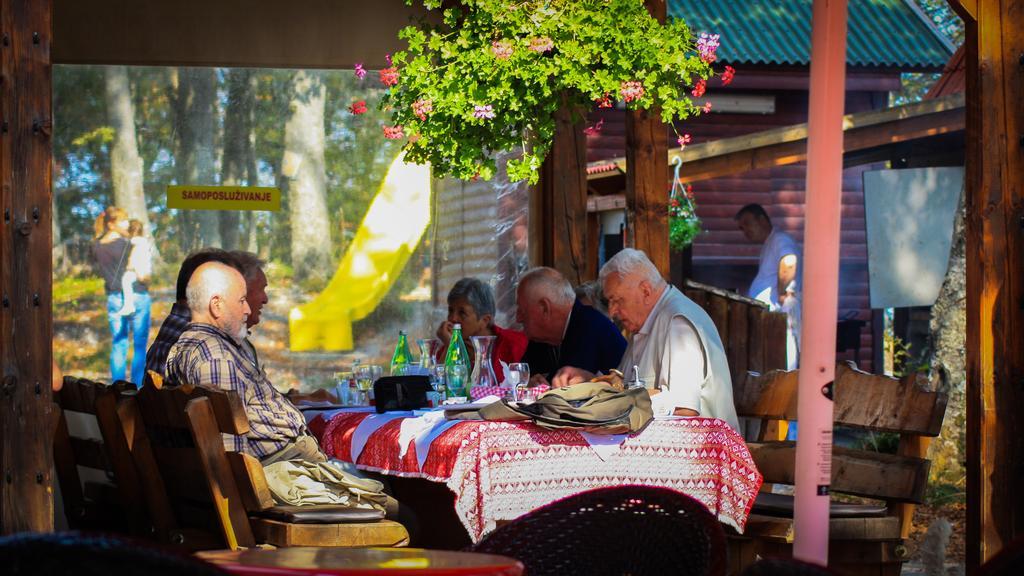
[604, 445]
[505, 372]
[422, 431]
[368, 426]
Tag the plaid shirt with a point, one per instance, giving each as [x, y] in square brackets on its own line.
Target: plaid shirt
[175, 323]
[206, 356]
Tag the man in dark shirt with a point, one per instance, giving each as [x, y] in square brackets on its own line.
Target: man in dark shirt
[562, 330]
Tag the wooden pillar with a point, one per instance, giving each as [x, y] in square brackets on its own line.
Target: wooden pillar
[563, 201]
[647, 175]
[995, 274]
[26, 495]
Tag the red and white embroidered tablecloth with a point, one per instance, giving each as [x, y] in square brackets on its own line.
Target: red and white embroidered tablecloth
[502, 470]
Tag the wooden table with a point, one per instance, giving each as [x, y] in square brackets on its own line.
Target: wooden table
[383, 561]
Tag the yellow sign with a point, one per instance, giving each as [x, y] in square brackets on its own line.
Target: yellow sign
[224, 198]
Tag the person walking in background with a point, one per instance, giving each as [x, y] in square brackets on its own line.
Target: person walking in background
[111, 250]
[778, 273]
[139, 268]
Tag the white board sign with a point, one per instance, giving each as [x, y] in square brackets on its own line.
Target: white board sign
[909, 214]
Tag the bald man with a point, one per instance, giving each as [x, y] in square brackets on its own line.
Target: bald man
[562, 330]
[213, 352]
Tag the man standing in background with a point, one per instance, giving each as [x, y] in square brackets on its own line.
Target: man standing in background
[778, 273]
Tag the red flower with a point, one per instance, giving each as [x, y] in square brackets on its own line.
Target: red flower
[394, 132]
[604, 102]
[631, 90]
[389, 76]
[727, 75]
[358, 107]
[595, 129]
[698, 89]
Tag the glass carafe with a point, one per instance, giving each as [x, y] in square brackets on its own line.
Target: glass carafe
[483, 372]
[427, 348]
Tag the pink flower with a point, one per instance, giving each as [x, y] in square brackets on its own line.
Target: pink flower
[358, 107]
[422, 107]
[683, 140]
[698, 89]
[387, 58]
[394, 132]
[389, 76]
[631, 90]
[707, 106]
[360, 71]
[604, 102]
[707, 44]
[485, 111]
[595, 129]
[502, 49]
[541, 44]
[727, 75]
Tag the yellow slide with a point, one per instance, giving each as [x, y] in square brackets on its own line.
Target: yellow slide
[389, 233]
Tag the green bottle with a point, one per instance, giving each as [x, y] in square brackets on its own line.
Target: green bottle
[402, 358]
[456, 365]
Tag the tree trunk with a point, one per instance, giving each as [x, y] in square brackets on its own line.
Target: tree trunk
[237, 132]
[303, 166]
[949, 359]
[195, 108]
[125, 162]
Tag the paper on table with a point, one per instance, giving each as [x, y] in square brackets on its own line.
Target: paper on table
[604, 445]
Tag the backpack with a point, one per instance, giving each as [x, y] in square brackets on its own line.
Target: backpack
[594, 407]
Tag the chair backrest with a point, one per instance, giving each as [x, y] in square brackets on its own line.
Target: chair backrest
[864, 401]
[99, 483]
[183, 428]
[618, 530]
[754, 337]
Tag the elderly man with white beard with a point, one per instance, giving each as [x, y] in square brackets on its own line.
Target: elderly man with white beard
[213, 352]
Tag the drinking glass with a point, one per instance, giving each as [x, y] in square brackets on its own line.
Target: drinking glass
[519, 377]
[364, 376]
[341, 381]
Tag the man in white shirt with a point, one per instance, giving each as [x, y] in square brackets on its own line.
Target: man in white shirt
[673, 344]
[778, 274]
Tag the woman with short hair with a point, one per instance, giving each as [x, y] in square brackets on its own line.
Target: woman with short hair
[471, 304]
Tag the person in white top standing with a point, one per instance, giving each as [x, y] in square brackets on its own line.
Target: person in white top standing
[778, 273]
[674, 347]
[139, 265]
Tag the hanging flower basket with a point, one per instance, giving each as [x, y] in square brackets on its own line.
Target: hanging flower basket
[491, 76]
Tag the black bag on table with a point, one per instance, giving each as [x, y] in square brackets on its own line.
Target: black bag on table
[401, 393]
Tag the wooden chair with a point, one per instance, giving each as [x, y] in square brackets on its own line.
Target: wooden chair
[225, 494]
[864, 538]
[99, 484]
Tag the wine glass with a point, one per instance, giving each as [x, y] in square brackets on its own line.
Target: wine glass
[519, 377]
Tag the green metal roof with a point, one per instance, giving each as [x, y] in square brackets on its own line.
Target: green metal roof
[881, 33]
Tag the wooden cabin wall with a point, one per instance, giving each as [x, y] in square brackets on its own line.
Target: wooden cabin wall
[722, 256]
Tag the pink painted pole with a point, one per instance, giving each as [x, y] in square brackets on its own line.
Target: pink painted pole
[820, 280]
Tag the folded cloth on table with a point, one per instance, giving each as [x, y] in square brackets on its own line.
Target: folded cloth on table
[421, 432]
[368, 426]
[304, 483]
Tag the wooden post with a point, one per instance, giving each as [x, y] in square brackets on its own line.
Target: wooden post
[563, 201]
[821, 281]
[26, 430]
[995, 277]
[647, 175]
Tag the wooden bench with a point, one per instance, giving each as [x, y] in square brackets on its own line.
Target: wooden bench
[215, 498]
[864, 538]
[99, 485]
